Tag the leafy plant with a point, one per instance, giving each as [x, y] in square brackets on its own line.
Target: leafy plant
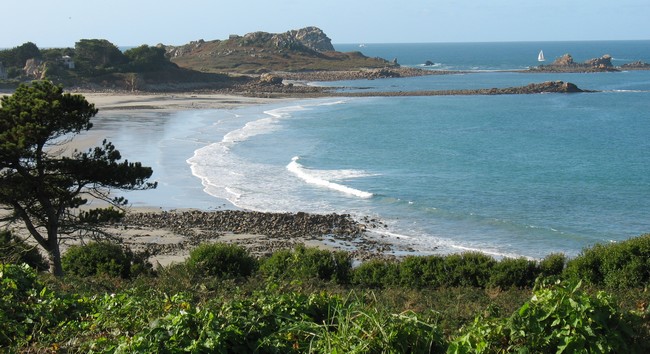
[98, 258]
[514, 272]
[305, 263]
[617, 265]
[15, 250]
[221, 260]
[558, 318]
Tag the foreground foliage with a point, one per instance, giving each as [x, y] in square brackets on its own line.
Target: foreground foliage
[313, 301]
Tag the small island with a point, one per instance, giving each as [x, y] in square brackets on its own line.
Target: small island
[566, 64]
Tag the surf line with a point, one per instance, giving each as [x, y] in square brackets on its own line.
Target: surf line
[298, 170]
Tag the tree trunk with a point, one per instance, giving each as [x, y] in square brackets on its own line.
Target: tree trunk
[54, 252]
[55, 262]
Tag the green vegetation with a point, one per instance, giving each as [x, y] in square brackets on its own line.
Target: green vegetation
[41, 184]
[99, 63]
[223, 300]
[221, 260]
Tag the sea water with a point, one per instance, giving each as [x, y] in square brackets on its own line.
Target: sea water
[509, 175]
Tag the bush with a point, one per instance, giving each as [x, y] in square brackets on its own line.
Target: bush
[221, 260]
[558, 318]
[422, 271]
[29, 311]
[376, 273]
[514, 272]
[98, 258]
[468, 269]
[616, 265]
[552, 265]
[308, 263]
[14, 250]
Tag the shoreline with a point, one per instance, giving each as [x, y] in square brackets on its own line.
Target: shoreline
[168, 233]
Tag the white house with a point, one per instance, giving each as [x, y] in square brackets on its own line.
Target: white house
[67, 61]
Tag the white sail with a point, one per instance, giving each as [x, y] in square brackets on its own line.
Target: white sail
[540, 57]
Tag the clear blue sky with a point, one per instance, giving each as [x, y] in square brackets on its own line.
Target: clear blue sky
[134, 22]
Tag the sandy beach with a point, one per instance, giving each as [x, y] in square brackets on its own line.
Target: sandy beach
[170, 102]
[145, 117]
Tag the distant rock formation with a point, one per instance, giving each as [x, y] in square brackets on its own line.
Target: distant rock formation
[311, 37]
[566, 63]
[637, 65]
[565, 60]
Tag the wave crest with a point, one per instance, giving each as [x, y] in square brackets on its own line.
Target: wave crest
[312, 178]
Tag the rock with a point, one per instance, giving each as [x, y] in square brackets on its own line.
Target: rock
[313, 38]
[603, 62]
[428, 63]
[637, 65]
[565, 60]
[270, 79]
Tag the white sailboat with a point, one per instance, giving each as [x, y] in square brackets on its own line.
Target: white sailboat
[540, 56]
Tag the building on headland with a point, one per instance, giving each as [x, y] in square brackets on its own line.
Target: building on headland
[67, 61]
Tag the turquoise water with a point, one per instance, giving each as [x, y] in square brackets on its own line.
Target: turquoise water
[512, 175]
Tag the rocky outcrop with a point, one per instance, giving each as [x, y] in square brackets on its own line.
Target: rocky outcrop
[565, 60]
[637, 65]
[311, 37]
[566, 63]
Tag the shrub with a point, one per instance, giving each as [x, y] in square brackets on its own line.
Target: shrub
[28, 310]
[422, 271]
[98, 258]
[14, 250]
[308, 263]
[514, 272]
[552, 265]
[616, 265]
[558, 318]
[221, 260]
[468, 269]
[376, 273]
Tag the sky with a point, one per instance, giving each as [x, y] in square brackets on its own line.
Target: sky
[135, 22]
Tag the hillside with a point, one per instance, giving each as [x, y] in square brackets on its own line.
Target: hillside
[307, 49]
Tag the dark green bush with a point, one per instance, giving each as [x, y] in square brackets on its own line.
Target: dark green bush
[221, 260]
[468, 269]
[98, 258]
[308, 263]
[376, 273]
[552, 265]
[14, 250]
[422, 271]
[514, 272]
[615, 265]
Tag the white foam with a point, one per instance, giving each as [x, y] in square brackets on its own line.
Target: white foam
[312, 178]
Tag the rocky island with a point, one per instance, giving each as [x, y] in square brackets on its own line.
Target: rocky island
[566, 64]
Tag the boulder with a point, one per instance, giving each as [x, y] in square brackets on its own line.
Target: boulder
[270, 79]
[565, 60]
[603, 62]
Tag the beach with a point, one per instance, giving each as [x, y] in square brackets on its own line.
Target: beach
[171, 220]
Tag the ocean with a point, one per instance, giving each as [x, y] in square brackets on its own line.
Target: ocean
[509, 175]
